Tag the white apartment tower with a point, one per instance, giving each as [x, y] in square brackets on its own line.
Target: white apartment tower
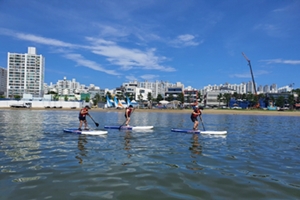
[25, 73]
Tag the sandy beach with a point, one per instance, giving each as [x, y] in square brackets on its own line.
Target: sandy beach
[205, 111]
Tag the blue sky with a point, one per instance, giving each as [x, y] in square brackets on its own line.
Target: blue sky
[195, 42]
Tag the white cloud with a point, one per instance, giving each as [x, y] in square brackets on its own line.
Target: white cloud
[36, 39]
[131, 78]
[280, 61]
[273, 30]
[124, 57]
[184, 40]
[90, 64]
[248, 74]
[245, 75]
[128, 58]
[117, 31]
[149, 77]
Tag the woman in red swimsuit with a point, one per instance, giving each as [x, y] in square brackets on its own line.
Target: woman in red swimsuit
[128, 111]
[194, 117]
[82, 117]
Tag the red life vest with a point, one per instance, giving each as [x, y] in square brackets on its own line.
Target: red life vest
[196, 111]
[83, 115]
[129, 111]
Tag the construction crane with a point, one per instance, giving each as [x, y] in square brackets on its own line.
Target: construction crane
[254, 85]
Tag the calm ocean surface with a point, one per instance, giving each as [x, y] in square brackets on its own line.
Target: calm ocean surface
[258, 159]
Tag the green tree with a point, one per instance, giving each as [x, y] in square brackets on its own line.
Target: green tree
[97, 98]
[170, 97]
[227, 97]
[17, 97]
[102, 99]
[109, 95]
[261, 96]
[87, 99]
[140, 97]
[180, 97]
[56, 97]
[95, 102]
[149, 96]
[219, 98]
[200, 96]
[291, 101]
[66, 98]
[280, 101]
[235, 95]
[52, 92]
[250, 97]
[244, 96]
[159, 98]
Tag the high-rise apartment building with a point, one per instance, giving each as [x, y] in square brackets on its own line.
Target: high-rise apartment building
[273, 88]
[3, 80]
[25, 73]
[250, 87]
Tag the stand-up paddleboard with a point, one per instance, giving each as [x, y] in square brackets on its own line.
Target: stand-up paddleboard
[85, 132]
[185, 130]
[214, 132]
[198, 131]
[129, 127]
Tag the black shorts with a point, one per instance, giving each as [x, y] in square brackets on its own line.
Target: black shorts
[81, 118]
[194, 119]
[126, 116]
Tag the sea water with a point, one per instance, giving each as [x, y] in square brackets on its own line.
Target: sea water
[257, 159]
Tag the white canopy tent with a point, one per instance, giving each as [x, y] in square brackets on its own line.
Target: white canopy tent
[164, 102]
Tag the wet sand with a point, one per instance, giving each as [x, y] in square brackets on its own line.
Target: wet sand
[205, 111]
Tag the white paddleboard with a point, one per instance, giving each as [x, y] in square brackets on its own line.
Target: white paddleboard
[129, 127]
[214, 132]
[85, 132]
[141, 127]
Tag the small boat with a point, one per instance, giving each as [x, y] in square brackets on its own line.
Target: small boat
[85, 132]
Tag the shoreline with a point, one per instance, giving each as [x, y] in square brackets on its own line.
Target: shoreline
[205, 111]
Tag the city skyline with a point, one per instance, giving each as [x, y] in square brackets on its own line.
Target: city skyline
[248, 86]
[197, 43]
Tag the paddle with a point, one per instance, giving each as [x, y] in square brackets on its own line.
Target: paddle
[125, 120]
[202, 122]
[122, 125]
[94, 120]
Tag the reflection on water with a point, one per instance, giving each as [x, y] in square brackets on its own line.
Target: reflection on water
[127, 140]
[82, 141]
[196, 147]
[37, 160]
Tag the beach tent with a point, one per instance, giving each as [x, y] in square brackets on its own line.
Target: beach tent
[164, 102]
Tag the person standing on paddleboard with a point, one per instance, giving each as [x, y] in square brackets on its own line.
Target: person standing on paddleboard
[128, 111]
[194, 117]
[82, 117]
